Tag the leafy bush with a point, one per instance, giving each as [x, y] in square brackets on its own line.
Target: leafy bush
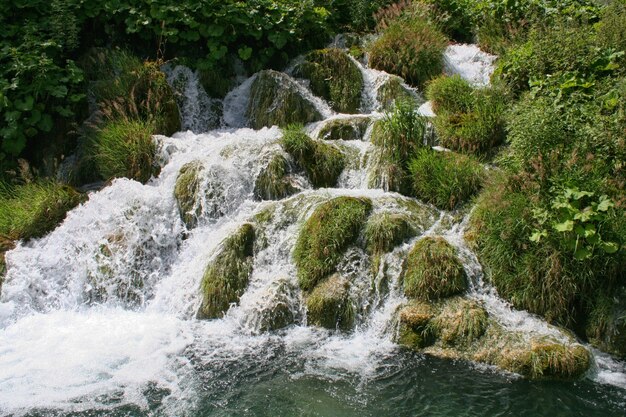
[34, 209]
[411, 48]
[445, 179]
[124, 148]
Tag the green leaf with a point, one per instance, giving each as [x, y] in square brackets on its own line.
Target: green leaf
[566, 226]
[605, 204]
[26, 104]
[46, 123]
[610, 247]
[245, 53]
[582, 253]
[215, 30]
[59, 91]
[537, 235]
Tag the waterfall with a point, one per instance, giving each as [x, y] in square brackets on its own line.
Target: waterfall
[102, 310]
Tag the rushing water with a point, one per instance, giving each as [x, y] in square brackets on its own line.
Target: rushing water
[98, 317]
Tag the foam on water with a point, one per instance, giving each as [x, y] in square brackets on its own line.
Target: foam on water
[470, 63]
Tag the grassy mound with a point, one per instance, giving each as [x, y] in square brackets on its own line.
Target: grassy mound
[445, 179]
[329, 304]
[384, 231]
[323, 163]
[332, 227]
[345, 129]
[34, 209]
[460, 323]
[275, 100]
[392, 91]
[415, 332]
[226, 277]
[335, 77]
[124, 148]
[468, 120]
[412, 49]
[273, 182]
[433, 270]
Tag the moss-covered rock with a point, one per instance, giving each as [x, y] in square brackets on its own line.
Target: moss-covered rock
[393, 90]
[329, 304]
[460, 328]
[276, 99]
[386, 230]
[325, 236]
[186, 193]
[274, 181]
[433, 270]
[226, 277]
[460, 323]
[279, 314]
[335, 77]
[353, 128]
[323, 163]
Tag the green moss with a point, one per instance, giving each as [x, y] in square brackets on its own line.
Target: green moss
[392, 91]
[226, 277]
[335, 77]
[279, 313]
[412, 49]
[329, 304]
[323, 163]
[451, 94]
[332, 227]
[34, 209]
[414, 331]
[433, 270]
[388, 175]
[606, 325]
[186, 193]
[124, 148]
[275, 99]
[273, 182]
[445, 179]
[384, 231]
[345, 129]
[460, 323]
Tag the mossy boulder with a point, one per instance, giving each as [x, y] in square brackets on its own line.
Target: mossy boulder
[323, 163]
[433, 270]
[414, 331]
[353, 128]
[226, 277]
[326, 235]
[274, 181]
[276, 100]
[392, 91]
[329, 304]
[186, 193]
[386, 230]
[334, 77]
[279, 313]
[460, 323]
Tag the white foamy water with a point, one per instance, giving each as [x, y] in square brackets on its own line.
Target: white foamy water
[470, 63]
[103, 309]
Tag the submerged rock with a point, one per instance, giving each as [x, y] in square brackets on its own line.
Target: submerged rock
[329, 304]
[334, 77]
[226, 277]
[274, 181]
[433, 270]
[275, 99]
[326, 235]
[353, 128]
[460, 328]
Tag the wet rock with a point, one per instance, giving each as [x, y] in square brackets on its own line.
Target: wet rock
[329, 304]
[353, 128]
[274, 181]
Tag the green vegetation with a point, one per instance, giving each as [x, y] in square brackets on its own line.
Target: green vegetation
[34, 209]
[329, 304]
[445, 179]
[329, 231]
[186, 193]
[384, 231]
[411, 48]
[345, 129]
[275, 99]
[433, 270]
[468, 120]
[226, 277]
[398, 136]
[333, 76]
[322, 163]
[460, 323]
[273, 182]
[393, 91]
